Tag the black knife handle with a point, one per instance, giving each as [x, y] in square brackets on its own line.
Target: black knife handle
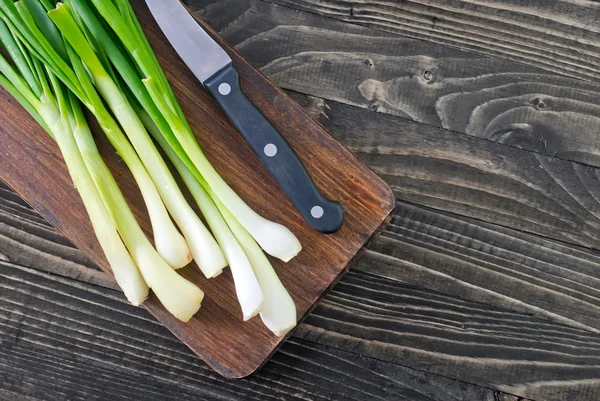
[274, 152]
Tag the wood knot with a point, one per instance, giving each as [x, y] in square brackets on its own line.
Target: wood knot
[540, 103]
[428, 76]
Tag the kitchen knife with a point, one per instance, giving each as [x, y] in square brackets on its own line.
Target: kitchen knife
[214, 68]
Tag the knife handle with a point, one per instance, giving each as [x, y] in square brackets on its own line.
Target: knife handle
[274, 152]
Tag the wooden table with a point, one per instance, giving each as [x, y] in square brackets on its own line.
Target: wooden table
[483, 116]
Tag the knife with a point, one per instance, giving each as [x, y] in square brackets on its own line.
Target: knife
[214, 68]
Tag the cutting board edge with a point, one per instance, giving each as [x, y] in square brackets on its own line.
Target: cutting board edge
[390, 206]
[221, 370]
[385, 221]
[388, 202]
[383, 210]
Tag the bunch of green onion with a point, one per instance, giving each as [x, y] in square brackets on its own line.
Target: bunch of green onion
[61, 58]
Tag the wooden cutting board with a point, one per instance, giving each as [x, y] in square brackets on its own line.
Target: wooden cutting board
[31, 164]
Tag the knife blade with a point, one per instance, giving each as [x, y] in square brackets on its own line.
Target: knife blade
[214, 68]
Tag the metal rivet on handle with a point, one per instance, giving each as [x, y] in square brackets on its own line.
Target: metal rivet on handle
[224, 89]
[317, 212]
[270, 150]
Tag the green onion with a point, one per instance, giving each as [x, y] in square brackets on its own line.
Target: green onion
[169, 242]
[158, 104]
[179, 296]
[248, 289]
[279, 311]
[275, 239]
[135, 263]
[50, 106]
[93, 53]
[202, 244]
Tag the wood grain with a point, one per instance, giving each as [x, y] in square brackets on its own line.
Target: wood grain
[29, 240]
[534, 33]
[561, 36]
[31, 164]
[461, 257]
[489, 228]
[445, 335]
[515, 190]
[375, 311]
[489, 264]
[58, 333]
[467, 176]
[519, 104]
[461, 175]
[441, 252]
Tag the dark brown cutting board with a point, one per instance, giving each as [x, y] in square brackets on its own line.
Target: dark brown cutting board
[31, 164]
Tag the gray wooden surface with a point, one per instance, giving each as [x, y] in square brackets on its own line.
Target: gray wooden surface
[482, 116]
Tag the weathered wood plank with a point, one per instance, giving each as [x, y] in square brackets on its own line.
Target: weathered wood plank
[32, 165]
[470, 259]
[57, 334]
[27, 239]
[560, 36]
[457, 256]
[420, 325]
[93, 326]
[461, 175]
[516, 190]
[489, 264]
[467, 176]
[463, 91]
[10, 396]
[446, 335]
